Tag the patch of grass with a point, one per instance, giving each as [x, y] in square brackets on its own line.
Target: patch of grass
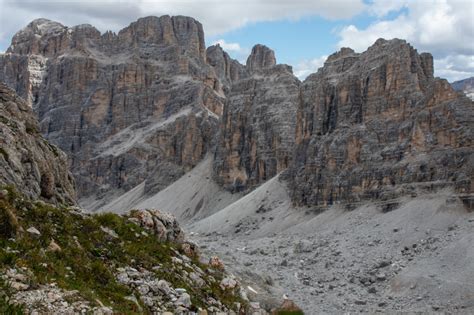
[4, 120]
[6, 307]
[90, 255]
[32, 129]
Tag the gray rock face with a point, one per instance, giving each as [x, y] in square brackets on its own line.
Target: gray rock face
[377, 125]
[227, 69]
[260, 58]
[140, 105]
[257, 129]
[144, 105]
[27, 161]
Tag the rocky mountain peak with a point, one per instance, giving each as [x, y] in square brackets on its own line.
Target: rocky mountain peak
[150, 78]
[182, 30]
[43, 26]
[227, 69]
[31, 38]
[342, 53]
[364, 117]
[260, 58]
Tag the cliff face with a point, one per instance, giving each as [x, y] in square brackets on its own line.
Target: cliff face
[147, 104]
[228, 70]
[377, 124]
[257, 128]
[140, 105]
[27, 161]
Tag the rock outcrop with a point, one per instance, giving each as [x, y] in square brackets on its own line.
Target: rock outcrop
[28, 162]
[162, 224]
[140, 105]
[257, 129]
[260, 58]
[377, 125]
[228, 70]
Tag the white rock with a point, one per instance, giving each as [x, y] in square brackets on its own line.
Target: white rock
[184, 300]
[34, 231]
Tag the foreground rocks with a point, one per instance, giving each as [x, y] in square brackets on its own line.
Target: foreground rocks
[78, 263]
[163, 225]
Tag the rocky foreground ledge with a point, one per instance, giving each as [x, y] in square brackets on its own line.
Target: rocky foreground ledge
[63, 261]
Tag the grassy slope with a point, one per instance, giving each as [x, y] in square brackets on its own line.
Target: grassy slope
[89, 255]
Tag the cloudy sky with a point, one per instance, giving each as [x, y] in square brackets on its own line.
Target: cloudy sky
[302, 32]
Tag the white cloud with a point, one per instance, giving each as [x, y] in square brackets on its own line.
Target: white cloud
[306, 67]
[217, 16]
[443, 27]
[455, 67]
[235, 50]
[381, 8]
[229, 47]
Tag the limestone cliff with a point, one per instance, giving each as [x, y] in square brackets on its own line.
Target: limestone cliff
[28, 162]
[140, 105]
[377, 125]
[228, 70]
[144, 106]
[256, 136]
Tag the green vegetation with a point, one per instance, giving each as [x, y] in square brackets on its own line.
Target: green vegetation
[89, 254]
[52, 147]
[4, 120]
[32, 129]
[5, 306]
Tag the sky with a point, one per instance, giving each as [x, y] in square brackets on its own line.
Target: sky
[302, 32]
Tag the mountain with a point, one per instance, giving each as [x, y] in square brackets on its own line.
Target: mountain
[378, 125]
[349, 191]
[137, 106]
[256, 133]
[466, 86]
[144, 106]
[55, 258]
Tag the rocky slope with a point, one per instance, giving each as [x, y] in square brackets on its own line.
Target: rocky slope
[466, 86]
[416, 258]
[56, 259]
[27, 160]
[377, 124]
[140, 105]
[105, 264]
